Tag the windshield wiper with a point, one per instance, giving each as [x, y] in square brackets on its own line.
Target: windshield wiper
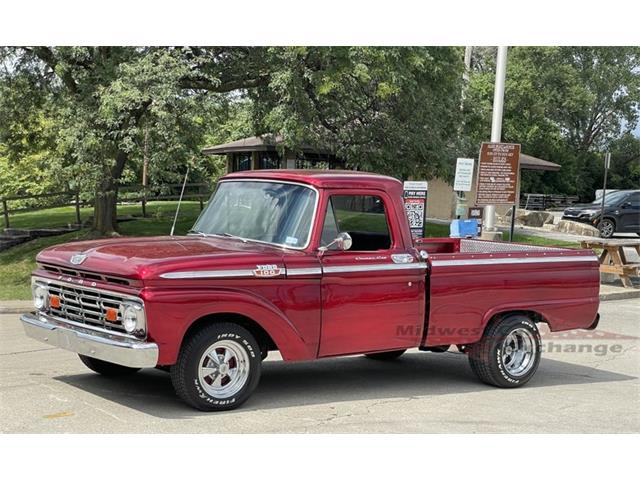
[197, 232]
[225, 234]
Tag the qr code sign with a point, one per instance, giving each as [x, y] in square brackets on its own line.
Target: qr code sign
[415, 214]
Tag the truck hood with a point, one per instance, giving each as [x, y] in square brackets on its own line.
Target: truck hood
[149, 257]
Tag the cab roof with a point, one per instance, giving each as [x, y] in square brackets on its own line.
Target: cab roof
[322, 178]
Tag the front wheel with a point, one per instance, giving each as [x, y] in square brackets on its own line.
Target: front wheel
[606, 228]
[107, 369]
[392, 355]
[218, 368]
[509, 352]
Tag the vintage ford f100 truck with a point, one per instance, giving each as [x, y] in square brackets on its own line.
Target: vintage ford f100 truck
[312, 264]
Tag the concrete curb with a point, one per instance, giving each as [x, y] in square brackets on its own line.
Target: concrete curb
[631, 293]
[16, 307]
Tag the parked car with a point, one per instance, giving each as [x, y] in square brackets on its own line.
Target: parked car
[314, 265]
[621, 213]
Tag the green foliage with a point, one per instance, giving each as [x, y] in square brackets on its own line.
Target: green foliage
[625, 163]
[564, 104]
[89, 117]
[391, 110]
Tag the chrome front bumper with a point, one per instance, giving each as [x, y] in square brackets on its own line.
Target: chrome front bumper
[110, 348]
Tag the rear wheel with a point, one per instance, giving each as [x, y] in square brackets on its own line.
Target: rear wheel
[107, 369]
[508, 353]
[218, 368]
[607, 228]
[392, 355]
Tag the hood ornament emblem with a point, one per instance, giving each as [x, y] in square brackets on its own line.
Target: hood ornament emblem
[78, 258]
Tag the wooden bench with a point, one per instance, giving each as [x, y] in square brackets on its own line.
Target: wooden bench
[613, 259]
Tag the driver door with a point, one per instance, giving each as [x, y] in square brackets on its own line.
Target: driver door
[373, 295]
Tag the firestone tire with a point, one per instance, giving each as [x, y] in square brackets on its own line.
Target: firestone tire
[607, 228]
[107, 369]
[509, 352]
[392, 355]
[218, 368]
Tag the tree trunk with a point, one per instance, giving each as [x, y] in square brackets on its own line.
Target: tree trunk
[105, 214]
[105, 222]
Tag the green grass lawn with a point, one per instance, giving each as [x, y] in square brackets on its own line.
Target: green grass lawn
[17, 263]
[63, 216]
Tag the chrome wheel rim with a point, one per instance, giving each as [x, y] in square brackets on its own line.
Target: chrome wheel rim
[519, 352]
[223, 369]
[606, 229]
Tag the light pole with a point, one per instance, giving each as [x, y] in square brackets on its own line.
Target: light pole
[607, 164]
[496, 122]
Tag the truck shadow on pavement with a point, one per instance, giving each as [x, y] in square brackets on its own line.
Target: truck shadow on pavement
[343, 379]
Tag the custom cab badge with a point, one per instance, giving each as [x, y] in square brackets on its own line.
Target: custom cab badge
[78, 258]
[267, 271]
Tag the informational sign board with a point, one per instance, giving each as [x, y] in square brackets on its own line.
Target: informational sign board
[477, 213]
[415, 204]
[498, 174]
[464, 174]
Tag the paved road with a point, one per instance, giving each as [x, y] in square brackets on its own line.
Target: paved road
[49, 390]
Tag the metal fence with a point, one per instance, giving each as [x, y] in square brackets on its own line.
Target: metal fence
[126, 194]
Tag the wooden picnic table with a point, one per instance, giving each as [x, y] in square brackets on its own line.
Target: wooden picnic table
[613, 260]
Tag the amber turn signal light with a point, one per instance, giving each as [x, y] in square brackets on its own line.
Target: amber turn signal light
[54, 301]
[111, 315]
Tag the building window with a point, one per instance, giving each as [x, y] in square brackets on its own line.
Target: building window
[268, 160]
[241, 161]
[318, 161]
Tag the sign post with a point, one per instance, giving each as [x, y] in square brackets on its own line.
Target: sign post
[415, 204]
[498, 176]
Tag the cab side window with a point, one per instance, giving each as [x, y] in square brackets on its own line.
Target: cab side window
[361, 216]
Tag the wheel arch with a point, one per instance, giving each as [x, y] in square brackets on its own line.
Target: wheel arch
[494, 317]
[264, 339]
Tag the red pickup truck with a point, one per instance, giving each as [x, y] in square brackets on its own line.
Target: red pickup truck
[311, 264]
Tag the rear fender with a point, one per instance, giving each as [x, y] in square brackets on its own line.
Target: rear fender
[559, 315]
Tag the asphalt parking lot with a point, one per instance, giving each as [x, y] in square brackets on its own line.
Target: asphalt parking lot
[587, 382]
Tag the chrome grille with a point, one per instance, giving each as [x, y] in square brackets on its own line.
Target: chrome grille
[86, 306]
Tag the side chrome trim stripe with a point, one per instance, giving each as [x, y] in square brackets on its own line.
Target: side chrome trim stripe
[504, 261]
[304, 271]
[377, 267]
[210, 274]
[295, 271]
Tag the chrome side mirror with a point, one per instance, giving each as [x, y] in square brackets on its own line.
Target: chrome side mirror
[343, 241]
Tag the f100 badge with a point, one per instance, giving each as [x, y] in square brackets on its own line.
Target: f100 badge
[267, 271]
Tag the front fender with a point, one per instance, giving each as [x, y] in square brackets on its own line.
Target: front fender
[170, 313]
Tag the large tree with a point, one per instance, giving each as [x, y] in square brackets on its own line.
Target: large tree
[565, 104]
[390, 109]
[109, 103]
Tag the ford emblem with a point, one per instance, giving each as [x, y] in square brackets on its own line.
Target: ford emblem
[78, 258]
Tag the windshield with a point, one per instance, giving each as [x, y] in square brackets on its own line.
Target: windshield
[272, 212]
[610, 198]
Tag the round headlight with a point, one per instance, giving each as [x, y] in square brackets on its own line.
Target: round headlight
[132, 318]
[40, 296]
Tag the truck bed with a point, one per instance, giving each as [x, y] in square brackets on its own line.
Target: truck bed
[471, 281]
